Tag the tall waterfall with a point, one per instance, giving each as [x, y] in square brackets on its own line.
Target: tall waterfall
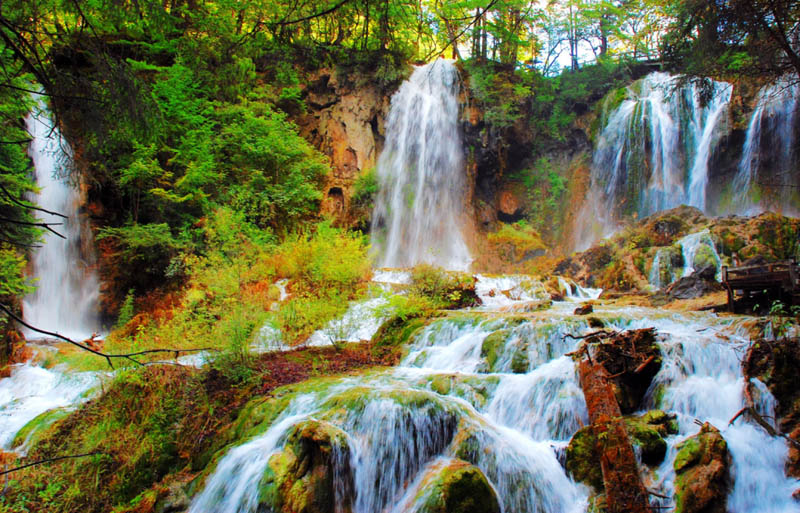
[773, 126]
[417, 216]
[652, 154]
[66, 296]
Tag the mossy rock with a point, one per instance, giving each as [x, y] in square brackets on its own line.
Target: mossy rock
[702, 473]
[36, 427]
[520, 361]
[493, 346]
[398, 330]
[456, 487]
[648, 432]
[301, 476]
[582, 462]
[705, 257]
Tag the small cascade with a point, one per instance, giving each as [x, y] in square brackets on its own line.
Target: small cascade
[32, 390]
[772, 127]
[691, 253]
[652, 154]
[421, 191]
[67, 289]
[500, 393]
[575, 292]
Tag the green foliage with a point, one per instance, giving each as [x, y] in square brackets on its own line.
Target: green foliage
[365, 188]
[516, 241]
[127, 310]
[546, 193]
[445, 289]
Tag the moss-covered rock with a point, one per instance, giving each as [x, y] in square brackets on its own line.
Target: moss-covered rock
[399, 330]
[702, 468]
[447, 289]
[582, 462]
[456, 486]
[35, 428]
[648, 432]
[301, 477]
[493, 346]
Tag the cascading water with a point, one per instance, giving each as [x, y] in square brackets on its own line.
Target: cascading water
[772, 125]
[697, 251]
[500, 392]
[66, 296]
[652, 154]
[421, 181]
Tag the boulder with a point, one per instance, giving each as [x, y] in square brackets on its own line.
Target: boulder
[702, 473]
[584, 309]
[456, 486]
[300, 479]
[698, 284]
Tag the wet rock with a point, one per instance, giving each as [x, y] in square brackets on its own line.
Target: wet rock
[300, 479]
[584, 309]
[702, 468]
[648, 431]
[456, 487]
[174, 499]
[699, 283]
[582, 462]
[775, 363]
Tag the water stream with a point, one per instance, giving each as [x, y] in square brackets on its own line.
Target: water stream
[499, 392]
[418, 216]
[67, 288]
[652, 154]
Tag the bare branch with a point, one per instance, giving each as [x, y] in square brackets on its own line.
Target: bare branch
[108, 357]
[50, 460]
[30, 207]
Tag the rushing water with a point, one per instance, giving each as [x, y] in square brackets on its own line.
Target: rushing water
[67, 289]
[418, 215]
[653, 153]
[772, 127]
[696, 249]
[32, 390]
[499, 392]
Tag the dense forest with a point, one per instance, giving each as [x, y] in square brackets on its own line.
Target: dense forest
[395, 255]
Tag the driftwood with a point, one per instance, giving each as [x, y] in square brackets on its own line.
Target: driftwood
[624, 489]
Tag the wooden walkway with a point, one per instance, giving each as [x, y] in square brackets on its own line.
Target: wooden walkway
[762, 284]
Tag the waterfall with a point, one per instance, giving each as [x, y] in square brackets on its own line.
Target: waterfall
[67, 289]
[421, 198]
[652, 154]
[772, 125]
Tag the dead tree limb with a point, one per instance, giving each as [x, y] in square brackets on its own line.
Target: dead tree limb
[29, 207]
[108, 357]
[50, 460]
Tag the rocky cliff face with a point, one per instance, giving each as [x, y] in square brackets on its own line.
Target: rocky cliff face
[345, 121]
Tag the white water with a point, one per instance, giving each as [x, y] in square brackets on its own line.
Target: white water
[401, 425]
[771, 127]
[627, 179]
[418, 216]
[67, 289]
[32, 390]
[690, 246]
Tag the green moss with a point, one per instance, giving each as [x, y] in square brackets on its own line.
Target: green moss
[493, 346]
[582, 462]
[520, 360]
[648, 431]
[689, 452]
[456, 487]
[35, 428]
[399, 331]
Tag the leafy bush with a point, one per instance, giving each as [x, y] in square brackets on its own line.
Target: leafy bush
[445, 289]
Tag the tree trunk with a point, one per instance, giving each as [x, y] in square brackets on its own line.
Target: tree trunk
[623, 486]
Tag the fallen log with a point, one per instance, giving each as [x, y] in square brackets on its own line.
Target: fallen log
[624, 489]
